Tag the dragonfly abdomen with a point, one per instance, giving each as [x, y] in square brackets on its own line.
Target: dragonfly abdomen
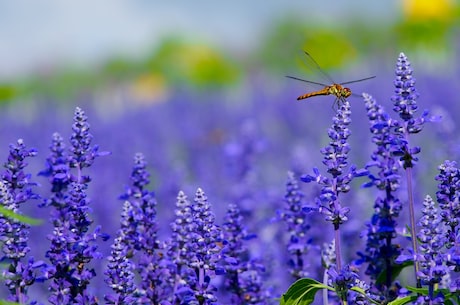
[324, 91]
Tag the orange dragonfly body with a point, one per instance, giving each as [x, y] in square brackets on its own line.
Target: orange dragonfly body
[336, 89]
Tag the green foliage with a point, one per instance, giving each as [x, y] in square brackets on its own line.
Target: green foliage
[64, 85]
[429, 35]
[405, 300]
[21, 218]
[302, 292]
[186, 63]
[2, 302]
[7, 92]
[449, 297]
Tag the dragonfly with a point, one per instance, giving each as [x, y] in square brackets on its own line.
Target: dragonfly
[336, 89]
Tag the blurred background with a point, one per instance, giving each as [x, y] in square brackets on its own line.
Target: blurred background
[142, 51]
[199, 87]
[227, 61]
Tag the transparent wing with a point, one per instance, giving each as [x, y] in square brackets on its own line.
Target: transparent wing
[306, 81]
[358, 80]
[310, 62]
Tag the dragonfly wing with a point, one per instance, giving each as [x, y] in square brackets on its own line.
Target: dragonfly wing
[357, 80]
[312, 62]
[305, 81]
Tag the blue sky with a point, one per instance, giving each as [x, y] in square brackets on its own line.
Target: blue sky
[38, 35]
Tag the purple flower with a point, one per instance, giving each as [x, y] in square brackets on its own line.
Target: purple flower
[252, 287]
[439, 299]
[241, 151]
[83, 154]
[336, 160]
[18, 275]
[431, 238]
[405, 93]
[206, 247]
[18, 182]
[342, 280]
[383, 137]
[139, 231]
[120, 274]
[448, 197]
[381, 250]
[243, 274]
[195, 249]
[73, 245]
[72, 248]
[58, 172]
[15, 190]
[182, 226]
[139, 225]
[405, 105]
[295, 218]
[452, 256]
[179, 248]
[236, 253]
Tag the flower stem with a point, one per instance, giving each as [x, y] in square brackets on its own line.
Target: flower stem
[337, 249]
[412, 222]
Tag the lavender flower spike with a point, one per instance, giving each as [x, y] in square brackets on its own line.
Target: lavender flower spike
[381, 249]
[83, 154]
[297, 226]
[14, 176]
[73, 244]
[336, 161]
[432, 240]
[120, 275]
[448, 197]
[195, 251]
[405, 105]
[140, 230]
[406, 94]
[18, 275]
[179, 248]
[242, 277]
[15, 190]
[206, 241]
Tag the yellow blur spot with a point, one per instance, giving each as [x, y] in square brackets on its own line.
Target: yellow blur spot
[148, 88]
[428, 9]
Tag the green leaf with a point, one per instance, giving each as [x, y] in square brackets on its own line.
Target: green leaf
[2, 302]
[423, 291]
[448, 302]
[362, 292]
[404, 300]
[21, 218]
[302, 292]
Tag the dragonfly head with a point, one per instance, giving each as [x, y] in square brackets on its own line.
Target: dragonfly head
[346, 92]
